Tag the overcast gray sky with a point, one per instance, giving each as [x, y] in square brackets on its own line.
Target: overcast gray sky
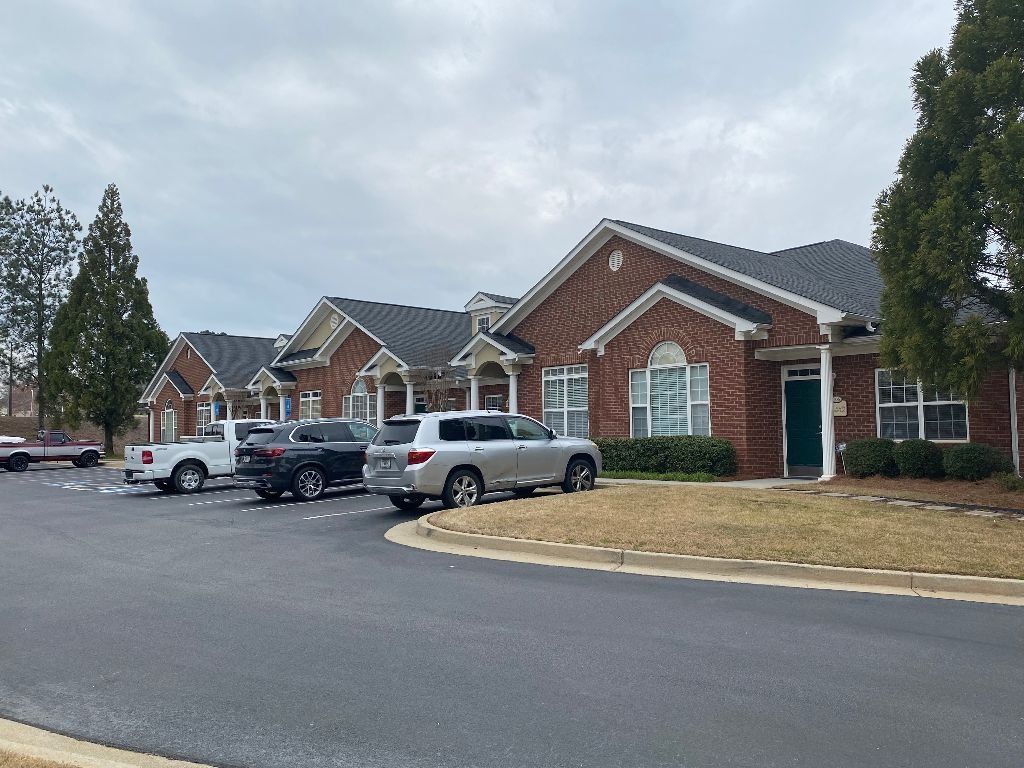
[416, 152]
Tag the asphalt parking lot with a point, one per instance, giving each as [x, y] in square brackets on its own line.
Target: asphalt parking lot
[231, 630]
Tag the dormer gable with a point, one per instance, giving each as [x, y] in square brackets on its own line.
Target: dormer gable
[485, 309]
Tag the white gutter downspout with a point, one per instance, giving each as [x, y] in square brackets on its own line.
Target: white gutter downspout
[1014, 438]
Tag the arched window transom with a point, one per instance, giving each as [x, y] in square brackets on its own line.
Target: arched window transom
[665, 354]
[361, 404]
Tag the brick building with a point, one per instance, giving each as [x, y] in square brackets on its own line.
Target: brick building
[635, 332]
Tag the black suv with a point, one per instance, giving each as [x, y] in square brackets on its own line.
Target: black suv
[304, 457]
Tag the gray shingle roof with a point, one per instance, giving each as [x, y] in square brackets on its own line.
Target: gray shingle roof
[282, 375]
[294, 357]
[416, 335]
[843, 264]
[179, 383]
[499, 298]
[510, 341]
[852, 291]
[235, 359]
[716, 299]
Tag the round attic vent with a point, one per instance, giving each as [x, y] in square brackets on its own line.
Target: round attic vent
[615, 261]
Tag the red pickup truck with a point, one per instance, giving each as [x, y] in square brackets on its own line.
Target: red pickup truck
[50, 445]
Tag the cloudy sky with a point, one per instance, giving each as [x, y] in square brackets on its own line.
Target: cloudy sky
[416, 152]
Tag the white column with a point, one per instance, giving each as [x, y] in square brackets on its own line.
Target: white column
[152, 423]
[410, 398]
[280, 407]
[474, 393]
[380, 405]
[1014, 432]
[229, 410]
[828, 429]
[513, 393]
[263, 406]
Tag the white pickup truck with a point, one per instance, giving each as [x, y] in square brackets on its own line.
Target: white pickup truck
[186, 464]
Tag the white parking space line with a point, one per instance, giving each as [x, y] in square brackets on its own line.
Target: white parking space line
[173, 497]
[298, 503]
[350, 512]
[219, 501]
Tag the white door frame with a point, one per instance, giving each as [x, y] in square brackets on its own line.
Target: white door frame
[785, 438]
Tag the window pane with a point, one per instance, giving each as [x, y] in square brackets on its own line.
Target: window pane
[578, 424]
[638, 387]
[894, 388]
[397, 432]
[554, 393]
[699, 384]
[555, 420]
[899, 422]
[700, 419]
[577, 388]
[667, 353]
[336, 432]
[668, 401]
[639, 419]
[485, 428]
[362, 432]
[945, 422]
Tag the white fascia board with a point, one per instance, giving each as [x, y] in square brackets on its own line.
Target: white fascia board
[607, 228]
[585, 248]
[481, 302]
[205, 389]
[254, 384]
[336, 339]
[374, 362]
[866, 345]
[151, 388]
[300, 332]
[478, 341]
[744, 328]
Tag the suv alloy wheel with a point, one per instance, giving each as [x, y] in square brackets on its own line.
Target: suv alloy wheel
[579, 476]
[463, 489]
[309, 484]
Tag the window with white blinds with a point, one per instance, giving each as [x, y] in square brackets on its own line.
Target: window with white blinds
[669, 397]
[204, 415]
[566, 400]
[361, 404]
[309, 405]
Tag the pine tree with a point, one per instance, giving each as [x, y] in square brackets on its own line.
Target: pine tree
[41, 244]
[949, 232]
[105, 342]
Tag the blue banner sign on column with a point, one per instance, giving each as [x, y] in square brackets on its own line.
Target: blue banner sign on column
[287, 408]
[216, 411]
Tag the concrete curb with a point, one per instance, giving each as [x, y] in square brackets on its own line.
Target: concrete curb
[29, 741]
[750, 571]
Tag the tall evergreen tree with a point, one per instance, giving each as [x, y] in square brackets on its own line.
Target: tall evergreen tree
[949, 232]
[41, 249]
[105, 342]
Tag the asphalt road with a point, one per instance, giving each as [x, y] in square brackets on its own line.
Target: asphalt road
[229, 630]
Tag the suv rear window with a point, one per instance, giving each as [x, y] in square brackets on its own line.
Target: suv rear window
[397, 433]
[260, 436]
[451, 429]
[242, 429]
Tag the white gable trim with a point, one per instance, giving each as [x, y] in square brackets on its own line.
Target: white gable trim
[482, 301]
[206, 388]
[606, 229]
[467, 355]
[179, 344]
[745, 329]
[372, 365]
[165, 379]
[255, 383]
[323, 308]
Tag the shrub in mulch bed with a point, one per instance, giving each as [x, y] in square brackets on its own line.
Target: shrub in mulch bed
[918, 458]
[975, 461]
[688, 453]
[870, 456]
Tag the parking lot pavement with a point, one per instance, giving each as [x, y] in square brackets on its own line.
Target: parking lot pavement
[226, 629]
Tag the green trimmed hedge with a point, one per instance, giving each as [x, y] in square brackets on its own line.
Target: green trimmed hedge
[688, 454]
[918, 458]
[870, 456]
[975, 461]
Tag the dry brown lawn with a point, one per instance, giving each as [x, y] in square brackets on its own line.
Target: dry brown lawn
[984, 493]
[758, 525]
[11, 760]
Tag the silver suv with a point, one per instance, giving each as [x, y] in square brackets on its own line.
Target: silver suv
[458, 456]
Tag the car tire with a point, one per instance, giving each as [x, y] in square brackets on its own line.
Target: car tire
[408, 503]
[463, 489]
[263, 493]
[18, 463]
[309, 483]
[188, 478]
[164, 485]
[522, 493]
[87, 460]
[579, 476]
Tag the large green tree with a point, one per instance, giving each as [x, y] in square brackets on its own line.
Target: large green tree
[949, 232]
[105, 342]
[41, 245]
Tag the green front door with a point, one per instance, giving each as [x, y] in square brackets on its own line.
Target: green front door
[803, 426]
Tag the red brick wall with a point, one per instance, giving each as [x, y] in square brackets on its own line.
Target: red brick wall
[335, 379]
[192, 368]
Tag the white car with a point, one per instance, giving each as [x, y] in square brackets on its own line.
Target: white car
[186, 464]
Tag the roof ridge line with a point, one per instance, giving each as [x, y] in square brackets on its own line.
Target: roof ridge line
[403, 306]
[230, 335]
[693, 237]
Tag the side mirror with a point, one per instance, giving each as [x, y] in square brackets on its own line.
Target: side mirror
[552, 435]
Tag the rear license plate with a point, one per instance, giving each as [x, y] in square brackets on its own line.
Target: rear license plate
[384, 463]
[244, 459]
